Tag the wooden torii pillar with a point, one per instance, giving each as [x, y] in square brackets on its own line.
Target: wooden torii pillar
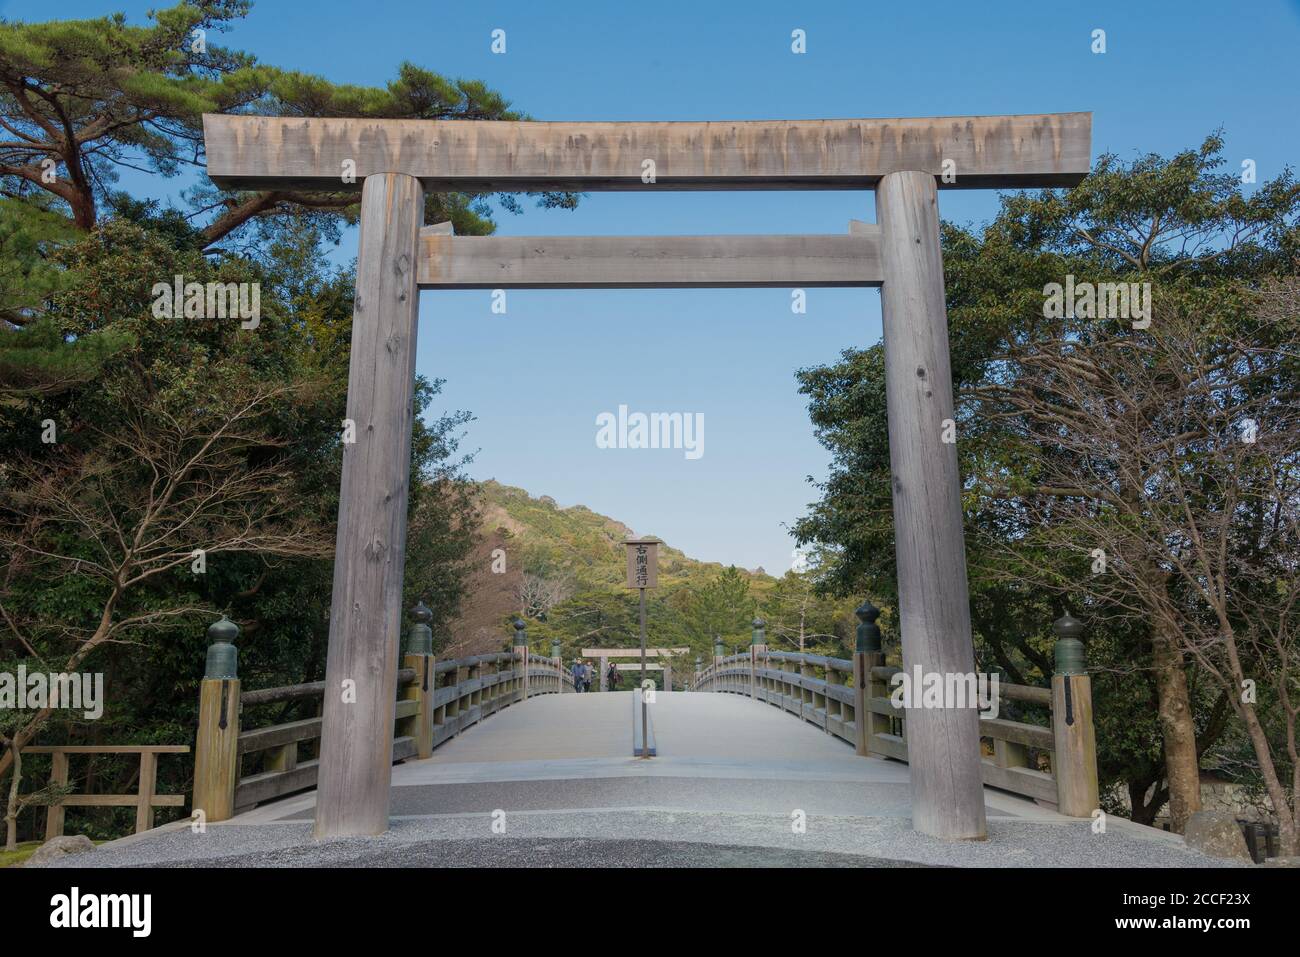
[394, 162]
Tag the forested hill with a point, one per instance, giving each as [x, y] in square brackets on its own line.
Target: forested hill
[546, 537]
[563, 570]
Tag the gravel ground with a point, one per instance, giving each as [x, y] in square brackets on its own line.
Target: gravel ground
[644, 837]
[542, 852]
[724, 795]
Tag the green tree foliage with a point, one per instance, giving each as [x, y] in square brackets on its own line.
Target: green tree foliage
[40, 360]
[198, 435]
[721, 607]
[29, 234]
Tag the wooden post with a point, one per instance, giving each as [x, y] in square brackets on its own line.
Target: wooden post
[488, 696]
[1076, 746]
[830, 704]
[421, 690]
[1008, 754]
[283, 758]
[216, 749]
[520, 649]
[1074, 760]
[604, 674]
[54, 815]
[313, 746]
[807, 698]
[145, 793]
[861, 694]
[879, 688]
[757, 650]
[419, 658]
[934, 609]
[864, 653]
[475, 674]
[458, 679]
[356, 759]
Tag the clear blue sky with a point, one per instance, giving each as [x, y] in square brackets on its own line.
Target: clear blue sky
[537, 377]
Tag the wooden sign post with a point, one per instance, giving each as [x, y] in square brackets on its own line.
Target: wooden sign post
[642, 565]
[643, 573]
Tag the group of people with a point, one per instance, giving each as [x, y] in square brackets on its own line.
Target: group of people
[583, 673]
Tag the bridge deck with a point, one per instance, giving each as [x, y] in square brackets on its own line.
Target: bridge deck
[732, 778]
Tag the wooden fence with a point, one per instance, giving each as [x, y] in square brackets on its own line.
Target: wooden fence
[1054, 764]
[237, 769]
[145, 798]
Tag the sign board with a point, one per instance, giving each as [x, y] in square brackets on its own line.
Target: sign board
[642, 562]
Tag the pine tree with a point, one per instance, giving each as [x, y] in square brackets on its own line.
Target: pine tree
[80, 99]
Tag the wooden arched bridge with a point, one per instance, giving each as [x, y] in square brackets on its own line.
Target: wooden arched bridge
[765, 757]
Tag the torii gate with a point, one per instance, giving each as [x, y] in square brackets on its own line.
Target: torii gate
[393, 162]
[604, 654]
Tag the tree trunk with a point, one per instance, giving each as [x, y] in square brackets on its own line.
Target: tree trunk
[84, 214]
[23, 737]
[1286, 822]
[1182, 766]
[11, 810]
[1144, 811]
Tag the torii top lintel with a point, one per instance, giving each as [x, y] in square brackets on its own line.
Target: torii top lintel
[977, 152]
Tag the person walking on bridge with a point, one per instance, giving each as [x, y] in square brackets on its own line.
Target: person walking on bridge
[577, 671]
[587, 672]
[613, 677]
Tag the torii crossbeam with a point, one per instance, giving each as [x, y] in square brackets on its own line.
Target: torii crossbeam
[393, 162]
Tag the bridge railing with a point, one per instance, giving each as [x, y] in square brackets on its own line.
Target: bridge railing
[1054, 763]
[238, 766]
